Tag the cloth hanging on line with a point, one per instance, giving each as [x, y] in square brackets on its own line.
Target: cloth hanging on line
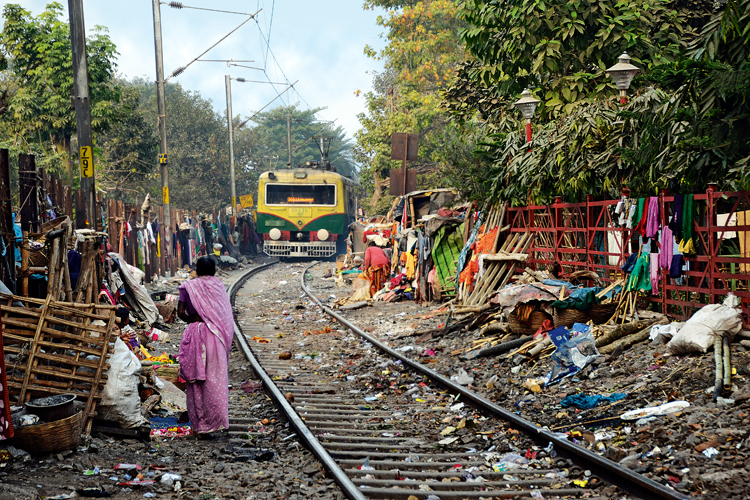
[687, 218]
[654, 274]
[675, 271]
[641, 227]
[652, 219]
[636, 216]
[667, 246]
[676, 224]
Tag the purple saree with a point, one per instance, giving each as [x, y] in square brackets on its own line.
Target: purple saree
[204, 353]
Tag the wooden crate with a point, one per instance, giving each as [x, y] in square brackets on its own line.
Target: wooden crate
[49, 346]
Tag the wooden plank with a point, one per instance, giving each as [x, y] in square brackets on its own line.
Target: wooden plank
[33, 352]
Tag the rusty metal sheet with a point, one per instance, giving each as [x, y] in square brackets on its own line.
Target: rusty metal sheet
[397, 182]
[404, 144]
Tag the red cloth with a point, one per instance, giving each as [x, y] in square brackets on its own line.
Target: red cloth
[375, 257]
[641, 227]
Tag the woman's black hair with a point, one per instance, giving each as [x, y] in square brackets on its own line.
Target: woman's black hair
[206, 266]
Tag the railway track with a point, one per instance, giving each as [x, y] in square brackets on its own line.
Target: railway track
[407, 441]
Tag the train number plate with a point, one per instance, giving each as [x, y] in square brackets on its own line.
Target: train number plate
[300, 212]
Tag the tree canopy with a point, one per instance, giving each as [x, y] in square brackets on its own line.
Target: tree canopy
[38, 81]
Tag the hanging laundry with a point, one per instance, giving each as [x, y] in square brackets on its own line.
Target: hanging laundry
[676, 224]
[687, 247]
[687, 218]
[636, 217]
[641, 227]
[652, 219]
[654, 274]
[667, 246]
[675, 271]
[640, 279]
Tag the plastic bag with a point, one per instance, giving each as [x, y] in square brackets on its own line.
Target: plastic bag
[714, 319]
[573, 356]
[121, 402]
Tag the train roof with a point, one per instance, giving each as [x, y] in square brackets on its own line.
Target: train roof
[310, 175]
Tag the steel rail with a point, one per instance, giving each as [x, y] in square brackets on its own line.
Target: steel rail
[349, 488]
[618, 475]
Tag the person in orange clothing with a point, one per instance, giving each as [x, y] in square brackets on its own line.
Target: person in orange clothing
[377, 267]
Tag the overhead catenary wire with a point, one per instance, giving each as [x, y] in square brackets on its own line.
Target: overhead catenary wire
[180, 5]
[264, 107]
[181, 69]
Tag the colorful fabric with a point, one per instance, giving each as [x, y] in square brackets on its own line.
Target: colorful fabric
[641, 227]
[204, 354]
[652, 219]
[377, 276]
[687, 218]
[640, 278]
[445, 252]
[584, 402]
[666, 250]
[6, 422]
[638, 212]
[654, 273]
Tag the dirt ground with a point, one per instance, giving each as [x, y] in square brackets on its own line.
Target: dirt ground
[669, 449]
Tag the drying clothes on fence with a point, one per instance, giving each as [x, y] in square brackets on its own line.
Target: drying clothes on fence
[652, 219]
[639, 278]
[687, 218]
[676, 223]
[667, 245]
[641, 227]
[447, 247]
[687, 247]
[483, 245]
[675, 270]
[637, 213]
[630, 263]
[469, 244]
[654, 273]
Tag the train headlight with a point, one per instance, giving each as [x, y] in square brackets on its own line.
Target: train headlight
[323, 235]
[300, 236]
[274, 233]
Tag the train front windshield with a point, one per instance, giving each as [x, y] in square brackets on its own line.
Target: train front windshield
[300, 194]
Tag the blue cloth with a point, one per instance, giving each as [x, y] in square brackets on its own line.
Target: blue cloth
[630, 263]
[584, 402]
[19, 240]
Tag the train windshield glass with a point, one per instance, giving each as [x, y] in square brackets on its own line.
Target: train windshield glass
[300, 194]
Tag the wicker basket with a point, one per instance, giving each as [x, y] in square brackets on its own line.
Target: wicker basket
[52, 437]
[599, 313]
[535, 321]
[38, 258]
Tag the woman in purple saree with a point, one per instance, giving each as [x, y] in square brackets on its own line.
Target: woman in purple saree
[204, 350]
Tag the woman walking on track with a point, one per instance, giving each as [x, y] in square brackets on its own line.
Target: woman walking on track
[377, 267]
[204, 350]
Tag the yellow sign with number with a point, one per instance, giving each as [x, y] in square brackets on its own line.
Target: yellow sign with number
[165, 194]
[86, 156]
[246, 200]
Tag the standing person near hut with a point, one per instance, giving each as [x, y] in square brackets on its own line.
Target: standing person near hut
[204, 350]
[377, 267]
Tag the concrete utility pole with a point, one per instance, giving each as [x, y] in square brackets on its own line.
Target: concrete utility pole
[228, 81]
[162, 110]
[289, 138]
[83, 107]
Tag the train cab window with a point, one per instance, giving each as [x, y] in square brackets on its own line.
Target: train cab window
[300, 194]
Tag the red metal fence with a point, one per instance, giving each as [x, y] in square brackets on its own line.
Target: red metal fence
[587, 236]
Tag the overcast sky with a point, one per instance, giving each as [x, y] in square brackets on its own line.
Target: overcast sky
[320, 43]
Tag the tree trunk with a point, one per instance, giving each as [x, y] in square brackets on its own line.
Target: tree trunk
[378, 190]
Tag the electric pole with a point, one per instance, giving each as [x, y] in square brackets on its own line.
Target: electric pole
[289, 138]
[228, 81]
[83, 108]
[162, 110]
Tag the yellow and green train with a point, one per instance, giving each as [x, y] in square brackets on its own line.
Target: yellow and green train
[305, 212]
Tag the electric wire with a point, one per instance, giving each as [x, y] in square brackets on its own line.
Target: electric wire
[180, 5]
[181, 69]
